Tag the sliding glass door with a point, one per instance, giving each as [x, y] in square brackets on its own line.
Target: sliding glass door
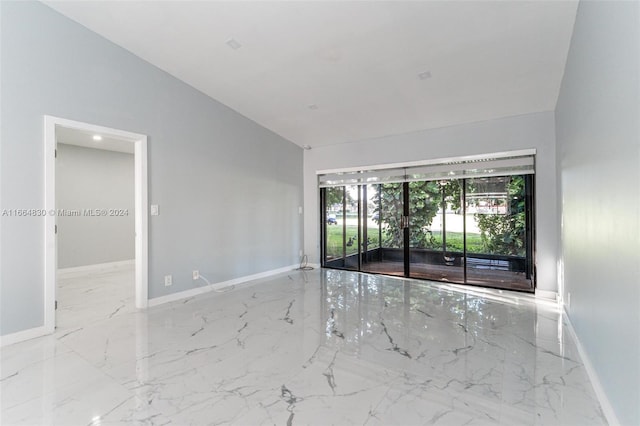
[341, 226]
[469, 231]
[384, 229]
[333, 231]
[436, 229]
[499, 231]
[467, 221]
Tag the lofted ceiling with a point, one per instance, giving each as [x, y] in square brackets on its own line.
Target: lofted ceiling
[329, 72]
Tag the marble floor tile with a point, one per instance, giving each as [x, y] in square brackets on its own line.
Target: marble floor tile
[95, 296]
[319, 347]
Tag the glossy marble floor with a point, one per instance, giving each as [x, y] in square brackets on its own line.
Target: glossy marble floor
[322, 347]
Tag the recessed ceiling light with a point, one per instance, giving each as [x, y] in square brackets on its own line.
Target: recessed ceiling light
[97, 137]
[424, 75]
[313, 106]
[233, 43]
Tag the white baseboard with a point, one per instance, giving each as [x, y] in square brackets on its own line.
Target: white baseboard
[607, 409]
[32, 333]
[21, 336]
[547, 295]
[217, 286]
[96, 268]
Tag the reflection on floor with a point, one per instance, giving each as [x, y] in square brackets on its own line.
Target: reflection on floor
[323, 347]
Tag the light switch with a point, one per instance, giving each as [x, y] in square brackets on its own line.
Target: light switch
[154, 210]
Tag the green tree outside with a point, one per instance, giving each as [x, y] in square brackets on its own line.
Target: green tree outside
[504, 234]
[500, 233]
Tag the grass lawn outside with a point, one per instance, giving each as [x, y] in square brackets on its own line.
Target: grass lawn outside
[334, 239]
[454, 240]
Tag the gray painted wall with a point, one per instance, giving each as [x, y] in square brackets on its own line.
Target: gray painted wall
[88, 178]
[598, 141]
[507, 134]
[228, 189]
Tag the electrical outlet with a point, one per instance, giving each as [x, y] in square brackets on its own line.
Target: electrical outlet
[196, 275]
[168, 280]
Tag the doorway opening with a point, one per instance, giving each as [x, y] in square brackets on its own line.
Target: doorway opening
[473, 224]
[78, 134]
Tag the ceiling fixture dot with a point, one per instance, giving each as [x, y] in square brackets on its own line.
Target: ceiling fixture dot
[424, 75]
[233, 43]
[307, 147]
[313, 106]
[97, 137]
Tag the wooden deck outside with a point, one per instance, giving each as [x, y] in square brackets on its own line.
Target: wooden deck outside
[455, 274]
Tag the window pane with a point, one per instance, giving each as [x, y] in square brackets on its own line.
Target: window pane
[333, 227]
[385, 252]
[436, 231]
[496, 232]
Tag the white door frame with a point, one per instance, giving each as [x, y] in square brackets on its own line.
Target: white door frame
[141, 211]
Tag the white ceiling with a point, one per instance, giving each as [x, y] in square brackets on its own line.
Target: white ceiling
[68, 136]
[358, 62]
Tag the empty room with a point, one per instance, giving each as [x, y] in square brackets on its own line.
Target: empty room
[320, 212]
